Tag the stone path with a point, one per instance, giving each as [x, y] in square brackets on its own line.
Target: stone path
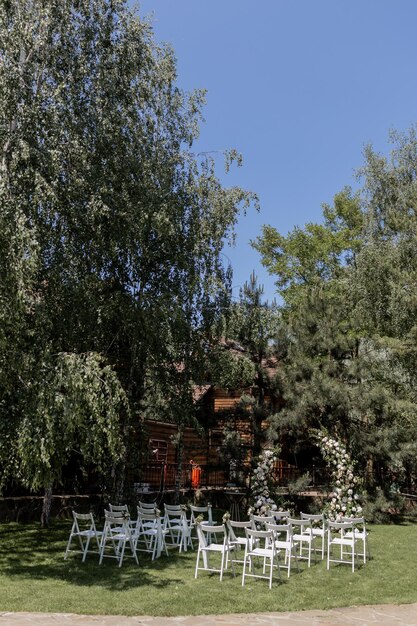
[385, 615]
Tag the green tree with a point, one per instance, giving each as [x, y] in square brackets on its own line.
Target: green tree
[77, 402]
[346, 340]
[112, 228]
[316, 253]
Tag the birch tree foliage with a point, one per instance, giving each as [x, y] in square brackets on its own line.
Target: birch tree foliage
[112, 227]
[77, 406]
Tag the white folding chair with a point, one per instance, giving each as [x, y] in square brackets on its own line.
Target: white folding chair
[318, 528]
[205, 547]
[361, 535]
[341, 535]
[202, 510]
[118, 531]
[84, 532]
[236, 539]
[254, 549]
[149, 529]
[121, 510]
[283, 539]
[177, 527]
[302, 536]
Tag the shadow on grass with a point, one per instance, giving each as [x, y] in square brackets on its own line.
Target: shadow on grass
[29, 552]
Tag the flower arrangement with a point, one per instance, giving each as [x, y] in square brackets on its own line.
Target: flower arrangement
[261, 484]
[344, 499]
[226, 517]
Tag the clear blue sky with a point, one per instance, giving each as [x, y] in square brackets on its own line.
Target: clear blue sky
[299, 87]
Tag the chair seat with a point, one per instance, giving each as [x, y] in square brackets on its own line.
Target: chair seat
[284, 545]
[264, 552]
[239, 541]
[217, 547]
[303, 537]
[344, 541]
[88, 533]
[358, 535]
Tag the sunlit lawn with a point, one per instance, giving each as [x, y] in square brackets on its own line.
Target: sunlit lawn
[35, 577]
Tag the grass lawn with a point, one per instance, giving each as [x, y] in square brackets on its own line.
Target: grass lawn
[35, 577]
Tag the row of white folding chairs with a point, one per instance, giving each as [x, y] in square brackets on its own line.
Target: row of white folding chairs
[351, 537]
[148, 533]
[176, 526]
[303, 532]
[267, 545]
[319, 530]
[119, 532]
[270, 543]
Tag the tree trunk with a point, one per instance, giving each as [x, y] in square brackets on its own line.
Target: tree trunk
[46, 506]
[180, 454]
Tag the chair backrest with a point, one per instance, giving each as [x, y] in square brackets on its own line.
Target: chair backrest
[340, 527]
[233, 525]
[259, 522]
[203, 530]
[147, 515]
[86, 519]
[118, 520]
[175, 515]
[316, 519]
[116, 514]
[147, 505]
[145, 510]
[281, 529]
[147, 520]
[280, 515]
[358, 522]
[355, 520]
[118, 508]
[301, 524]
[173, 508]
[196, 510]
[253, 537]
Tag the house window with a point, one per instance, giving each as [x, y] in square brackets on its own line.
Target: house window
[216, 438]
[159, 449]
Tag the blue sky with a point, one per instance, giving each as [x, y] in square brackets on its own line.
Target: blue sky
[299, 87]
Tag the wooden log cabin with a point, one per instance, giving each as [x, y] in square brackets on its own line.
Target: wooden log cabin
[219, 411]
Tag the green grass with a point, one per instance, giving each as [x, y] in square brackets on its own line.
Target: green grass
[35, 577]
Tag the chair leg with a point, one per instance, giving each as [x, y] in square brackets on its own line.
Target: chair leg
[222, 566]
[68, 545]
[86, 548]
[133, 548]
[102, 546]
[244, 571]
[197, 562]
